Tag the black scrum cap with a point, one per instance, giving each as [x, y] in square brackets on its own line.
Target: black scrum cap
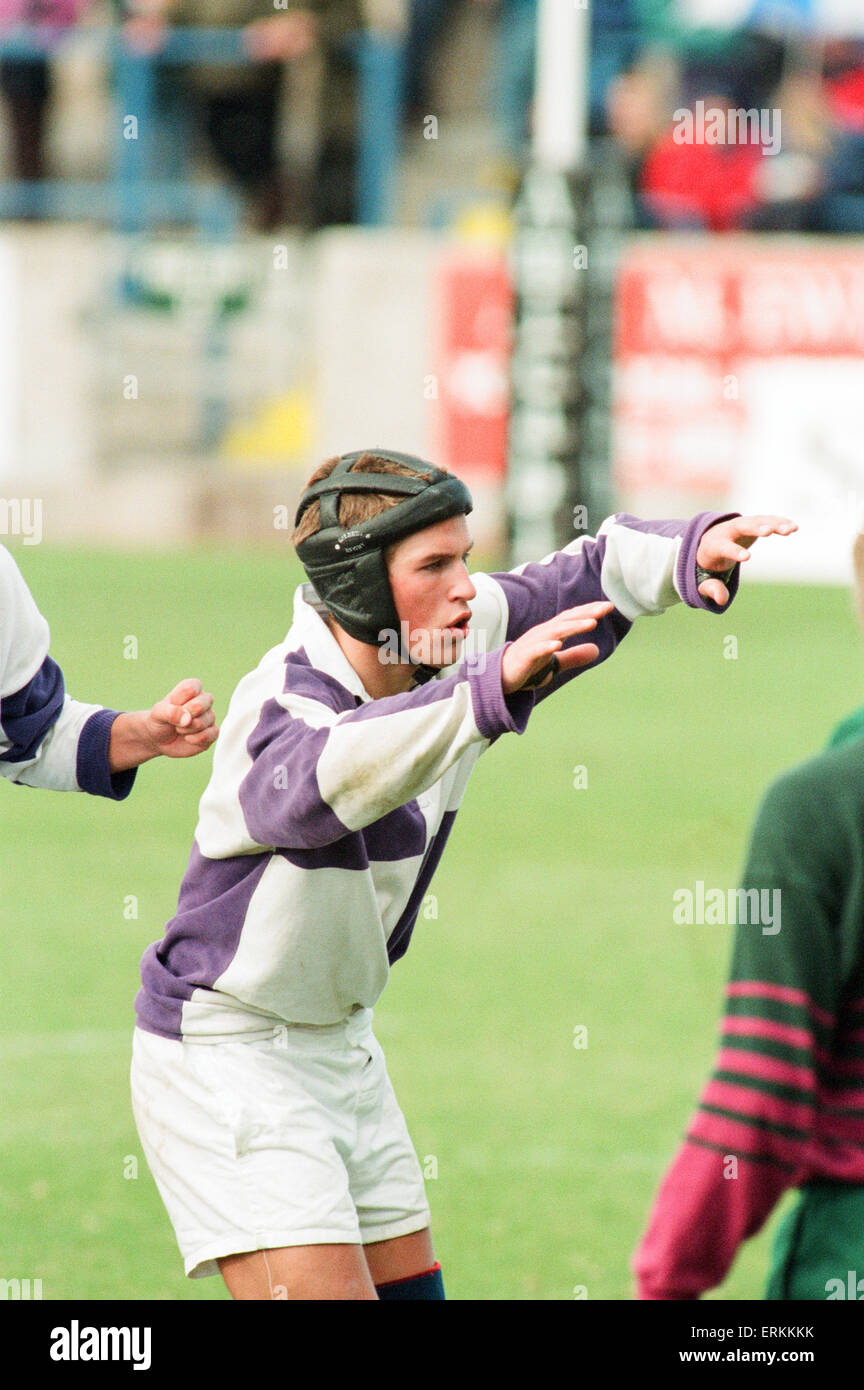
[347, 567]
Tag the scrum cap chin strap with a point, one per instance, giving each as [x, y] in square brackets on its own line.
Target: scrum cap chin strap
[346, 567]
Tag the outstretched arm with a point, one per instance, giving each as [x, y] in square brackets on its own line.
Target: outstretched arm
[643, 567]
[51, 741]
[637, 568]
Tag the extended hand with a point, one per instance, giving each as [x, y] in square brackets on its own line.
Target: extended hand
[727, 544]
[179, 726]
[528, 655]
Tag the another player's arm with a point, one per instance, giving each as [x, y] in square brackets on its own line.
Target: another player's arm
[64, 745]
[46, 739]
[49, 740]
[179, 726]
[758, 1107]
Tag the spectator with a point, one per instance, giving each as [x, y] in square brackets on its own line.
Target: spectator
[816, 181]
[690, 183]
[614, 44]
[427, 21]
[236, 106]
[694, 183]
[26, 85]
[839, 206]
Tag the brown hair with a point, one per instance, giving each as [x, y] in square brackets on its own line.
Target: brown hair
[354, 507]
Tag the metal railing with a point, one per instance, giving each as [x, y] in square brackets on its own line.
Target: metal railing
[131, 198]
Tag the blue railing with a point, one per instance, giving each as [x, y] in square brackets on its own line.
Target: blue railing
[134, 200]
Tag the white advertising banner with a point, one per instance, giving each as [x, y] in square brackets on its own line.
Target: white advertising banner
[803, 456]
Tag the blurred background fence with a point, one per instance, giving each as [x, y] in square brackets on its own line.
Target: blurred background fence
[235, 238]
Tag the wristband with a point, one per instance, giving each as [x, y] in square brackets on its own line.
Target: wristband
[725, 576]
[552, 667]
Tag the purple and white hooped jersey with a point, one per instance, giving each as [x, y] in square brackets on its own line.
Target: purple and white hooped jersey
[47, 739]
[327, 811]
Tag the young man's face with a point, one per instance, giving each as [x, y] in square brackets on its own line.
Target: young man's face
[432, 590]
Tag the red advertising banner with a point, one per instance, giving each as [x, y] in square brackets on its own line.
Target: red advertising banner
[739, 374]
[690, 319]
[474, 309]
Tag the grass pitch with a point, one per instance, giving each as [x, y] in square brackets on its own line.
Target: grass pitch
[552, 912]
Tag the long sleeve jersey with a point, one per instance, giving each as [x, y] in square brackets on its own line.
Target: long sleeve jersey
[327, 811]
[47, 739]
[785, 1102]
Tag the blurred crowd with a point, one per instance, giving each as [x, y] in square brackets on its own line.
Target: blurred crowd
[800, 168]
[231, 108]
[803, 172]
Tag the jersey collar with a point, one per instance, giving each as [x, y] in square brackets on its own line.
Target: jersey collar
[321, 647]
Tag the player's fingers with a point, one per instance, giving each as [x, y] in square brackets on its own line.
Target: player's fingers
[563, 629]
[715, 590]
[729, 552]
[573, 620]
[189, 746]
[574, 657]
[535, 647]
[194, 711]
[186, 690]
[765, 525]
[749, 529]
[187, 716]
[586, 610]
[204, 739]
[196, 726]
[539, 653]
[547, 669]
[525, 659]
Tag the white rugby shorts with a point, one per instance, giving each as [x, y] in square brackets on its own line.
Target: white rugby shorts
[295, 1139]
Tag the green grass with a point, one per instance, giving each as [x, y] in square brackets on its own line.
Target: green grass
[554, 909]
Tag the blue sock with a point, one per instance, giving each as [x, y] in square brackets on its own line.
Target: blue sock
[427, 1285]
